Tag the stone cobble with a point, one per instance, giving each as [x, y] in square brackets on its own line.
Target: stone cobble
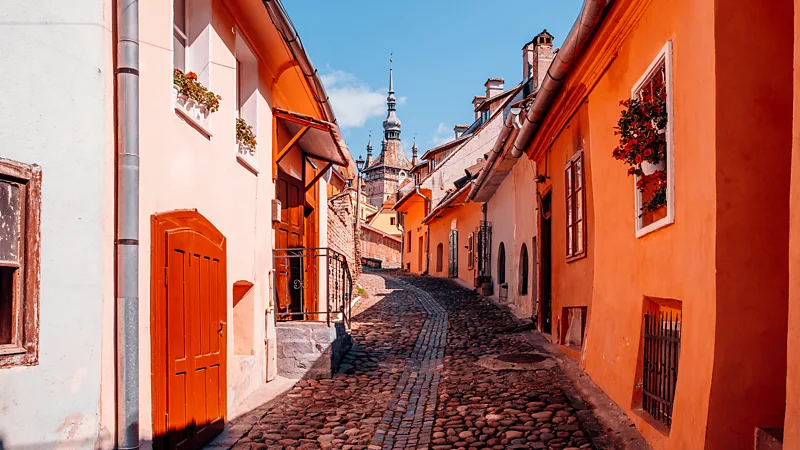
[412, 380]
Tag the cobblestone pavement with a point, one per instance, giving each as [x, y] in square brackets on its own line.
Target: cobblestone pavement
[423, 374]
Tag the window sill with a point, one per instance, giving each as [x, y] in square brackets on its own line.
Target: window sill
[652, 422]
[577, 257]
[197, 116]
[655, 226]
[248, 161]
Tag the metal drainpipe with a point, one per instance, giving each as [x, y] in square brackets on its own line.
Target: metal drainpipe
[127, 224]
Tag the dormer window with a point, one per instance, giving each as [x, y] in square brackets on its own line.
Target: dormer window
[485, 114]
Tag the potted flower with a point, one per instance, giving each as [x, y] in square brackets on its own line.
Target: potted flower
[643, 143]
[245, 138]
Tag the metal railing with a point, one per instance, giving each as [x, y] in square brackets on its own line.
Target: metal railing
[483, 249]
[296, 276]
[662, 350]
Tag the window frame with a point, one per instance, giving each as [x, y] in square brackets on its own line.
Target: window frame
[664, 56]
[24, 350]
[524, 269]
[408, 247]
[246, 106]
[501, 264]
[471, 251]
[183, 33]
[570, 193]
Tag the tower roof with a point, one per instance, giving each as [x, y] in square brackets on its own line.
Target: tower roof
[391, 126]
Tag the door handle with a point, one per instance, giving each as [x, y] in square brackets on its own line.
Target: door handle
[222, 324]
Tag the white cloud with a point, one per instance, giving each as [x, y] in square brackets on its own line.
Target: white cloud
[353, 101]
[443, 135]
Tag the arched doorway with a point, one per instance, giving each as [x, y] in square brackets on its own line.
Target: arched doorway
[188, 329]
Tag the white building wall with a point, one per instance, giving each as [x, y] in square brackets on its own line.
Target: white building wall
[55, 83]
[513, 212]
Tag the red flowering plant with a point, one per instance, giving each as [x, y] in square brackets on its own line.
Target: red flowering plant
[642, 139]
[245, 136]
[187, 85]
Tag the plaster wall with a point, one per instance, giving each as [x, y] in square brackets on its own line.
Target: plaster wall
[383, 221]
[467, 217]
[452, 168]
[414, 213]
[791, 436]
[56, 85]
[514, 200]
[182, 167]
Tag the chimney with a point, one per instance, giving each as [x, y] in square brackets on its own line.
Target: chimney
[460, 129]
[536, 58]
[477, 102]
[494, 86]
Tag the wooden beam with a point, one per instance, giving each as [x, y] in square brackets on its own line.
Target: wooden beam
[317, 176]
[285, 150]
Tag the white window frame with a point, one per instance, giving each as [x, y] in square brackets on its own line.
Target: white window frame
[664, 56]
[197, 11]
[250, 112]
[184, 33]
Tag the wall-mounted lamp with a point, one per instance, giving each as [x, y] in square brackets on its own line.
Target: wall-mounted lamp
[540, 179]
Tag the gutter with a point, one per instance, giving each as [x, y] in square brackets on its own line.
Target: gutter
[126, 245]
[575, 42]
[285, 27]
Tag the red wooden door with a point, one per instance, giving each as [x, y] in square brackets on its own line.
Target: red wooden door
[189, 332]
[289, 234]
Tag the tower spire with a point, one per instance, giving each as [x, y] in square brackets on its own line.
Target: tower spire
[391, 126]
[369, 150]
[414, 152]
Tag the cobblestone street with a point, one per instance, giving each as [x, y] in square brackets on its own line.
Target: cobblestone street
[433, 366]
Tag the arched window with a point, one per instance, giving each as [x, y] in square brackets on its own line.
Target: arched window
[439, 256]
[501, 264]
[523, 271]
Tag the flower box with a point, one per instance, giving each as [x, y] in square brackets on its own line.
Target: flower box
[189, 109]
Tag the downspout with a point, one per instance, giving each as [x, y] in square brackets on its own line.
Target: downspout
[127, 224]
[575, 42]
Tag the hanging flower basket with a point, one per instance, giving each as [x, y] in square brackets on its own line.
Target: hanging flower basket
[643, 144]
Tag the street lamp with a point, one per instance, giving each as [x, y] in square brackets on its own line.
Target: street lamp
[357, 234]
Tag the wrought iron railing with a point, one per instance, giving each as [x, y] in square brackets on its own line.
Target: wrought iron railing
[296, 274]
[483, 249]
[662, 350]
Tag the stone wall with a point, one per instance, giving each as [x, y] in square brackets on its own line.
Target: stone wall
[377, 245]
[310, 349]
[341, 232]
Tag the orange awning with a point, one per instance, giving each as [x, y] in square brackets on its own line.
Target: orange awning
[320, 139]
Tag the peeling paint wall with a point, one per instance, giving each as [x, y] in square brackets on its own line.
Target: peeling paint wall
[56, 91]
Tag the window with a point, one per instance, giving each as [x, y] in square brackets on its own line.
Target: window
[523, 271]
[485, 114]
[246, 101]
[576, 199]
[501, 264]
[408, 239]
[659, 361]
[439, 256]
[657, 80]
[471, 251]
[391, 221]
[452, 267]
[574, 320]
[20, 203]
[179, 35]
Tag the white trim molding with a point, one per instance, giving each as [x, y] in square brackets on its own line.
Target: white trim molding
[665, 57]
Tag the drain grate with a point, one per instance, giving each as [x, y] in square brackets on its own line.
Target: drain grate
[521, 358]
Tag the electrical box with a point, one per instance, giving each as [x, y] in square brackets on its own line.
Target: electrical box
[276, 210]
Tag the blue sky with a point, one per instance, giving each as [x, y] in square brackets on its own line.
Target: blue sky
[444, 50]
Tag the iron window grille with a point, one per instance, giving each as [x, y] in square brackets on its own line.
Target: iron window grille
[484, 249]
[662, 349]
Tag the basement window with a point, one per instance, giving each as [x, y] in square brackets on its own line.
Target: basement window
[20, 203]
